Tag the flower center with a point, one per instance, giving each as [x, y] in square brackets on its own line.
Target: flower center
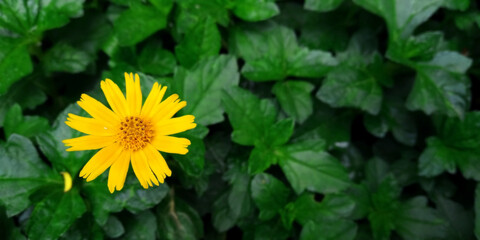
[134, 133]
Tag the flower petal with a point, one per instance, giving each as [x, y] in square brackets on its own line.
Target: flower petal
[134, 94]
[115, 97]
[171, 144]
[102, 160]
[157, 163]
[89, 142]
[153, 99]
[167, 108]
[142, 170]
[175, 125]
[97, 110]
[118, 172]
[91, 126]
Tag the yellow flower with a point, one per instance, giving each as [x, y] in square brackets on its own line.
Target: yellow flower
[130, 133]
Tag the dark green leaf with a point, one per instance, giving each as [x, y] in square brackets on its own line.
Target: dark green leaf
[142, 226]
[255, 10]
[461, 5]
[194, 162]
[113, 228]
[132, 197]
[332, 208]
[271, 52]
[202, 41]
[415, 220]
[441, 86]
[269, 194]
[402, 16]
[178, 220]
[341, 230]
[322, 5]
[38, 16]
[295, 98]
[191, 12]
[22, 173]
[51, 144]
[140, 21]
[202, 87]
[261, 158]
[460, 221]
[155, 60]
[351, 87]
[9, 230]
[27, 126]
[65, 58]
[55, 214]
[302, 159]
[15, 62]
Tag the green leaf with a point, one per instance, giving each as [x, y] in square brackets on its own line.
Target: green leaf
[55, 214]
[178, 220]
[260, 159]
[140, 21]
[351, 87]
[393, 117]
[477, 211]
[415, 220]
[332, 208]
[132, 197]
[460, 221]
[27, 126]
[302, 159]
[457, 144]
[421, 47]
[461, 5]
[113, 228]
[142, 226]
[295, 98]
[22, 173]
[202, 87]
[15, 62]
[441, 86]
[192, 12]
[437, 158]
[51, 145]
[202, 41]
[255, 10]
[65, 58]
[341, 230]
[38, 16]
[250, 116]
[194, 162]
[269, 194]
[9, 230]
[401, 16]
[223, 217]
[155, 60]
[271, 53]
[330, 125]
[322, 5]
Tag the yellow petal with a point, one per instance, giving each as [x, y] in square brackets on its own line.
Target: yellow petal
[142, 170]
[89, 142]
[115, 97]
[134, 94]
[171, 144]
[97, 110]
[157, 163]
[67, 180]
[91, 126]
[153, 99]
[102, 160]
[175, 125]
[167, 108]
[118, 172]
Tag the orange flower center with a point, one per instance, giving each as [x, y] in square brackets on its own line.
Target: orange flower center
[134, 133]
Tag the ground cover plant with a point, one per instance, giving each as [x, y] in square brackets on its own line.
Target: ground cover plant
[321, 120]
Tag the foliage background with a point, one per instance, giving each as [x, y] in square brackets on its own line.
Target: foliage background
[318, 119]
